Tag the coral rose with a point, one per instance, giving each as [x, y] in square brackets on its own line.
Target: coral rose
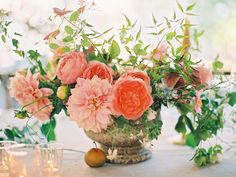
[137, 74]
[131, 98]
[140, 75]
[96, 68]
[26, 91]
[90, 104]
[71, 66]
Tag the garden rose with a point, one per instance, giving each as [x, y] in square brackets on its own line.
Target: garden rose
[131, 98]
[71, 66]
[137, 74]
[24, 88]
[140, 75]
[96, 68]
[90, 104]
[160, 51]
[201, 76]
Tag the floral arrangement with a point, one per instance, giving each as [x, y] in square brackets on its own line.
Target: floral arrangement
[101, 80]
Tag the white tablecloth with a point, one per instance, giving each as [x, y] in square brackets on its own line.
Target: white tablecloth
[164, 163]
[167, 160]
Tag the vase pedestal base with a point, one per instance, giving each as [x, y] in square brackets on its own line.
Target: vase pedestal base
[128, 155]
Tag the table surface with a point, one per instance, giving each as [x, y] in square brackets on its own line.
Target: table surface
[164, 163]
[168, 160]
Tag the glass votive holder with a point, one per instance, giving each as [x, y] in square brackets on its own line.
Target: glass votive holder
[4, 158]
[22, 161]
[50, 159]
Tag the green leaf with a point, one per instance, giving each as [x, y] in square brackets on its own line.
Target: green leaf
[137, 48]
[170, 35]
[69, 30]
[53, 46]
[180, 7]
[114, 49]
[85, 42]
[189, 123]
[3, 38]
[87, 24]
[138, 34]
[68, 39]
[33, 55]
[232, 98]
[9, 133]
[174, 16]
[21, 53]
[154, 34]
[15, 43]
[191, 14]
[180, 126]
[41, 70]
[188, 25]
[48, 130]
[154, 19]
[121, 122]
[189, 8]
[217, 65]
[127, 20]
[74, 16]
[190, 140]
[17, 34]
[66, 49]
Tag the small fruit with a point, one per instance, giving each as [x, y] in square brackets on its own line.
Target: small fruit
[62, 92]
[95, 157]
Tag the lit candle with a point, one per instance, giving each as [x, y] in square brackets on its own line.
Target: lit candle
[50, 170]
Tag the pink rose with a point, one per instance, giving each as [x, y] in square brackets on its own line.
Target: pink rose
[96, 68]
[160, 52]
[71, 66]
[201, 75]
[26, 91]
[131, 98]
[90, 104]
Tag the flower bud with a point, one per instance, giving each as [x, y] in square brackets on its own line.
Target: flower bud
[62, 92]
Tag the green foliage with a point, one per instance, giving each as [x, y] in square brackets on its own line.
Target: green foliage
[19, 135]
[15, 43]
[69, 30]
[121, 122]
[114, 49]
[217, 65]
[154, 128]
[74, 16]
[191, 141]
[180, 126]
[204, 157]
[190, 7]
[53, 46]
[48, 129]
[232, 98]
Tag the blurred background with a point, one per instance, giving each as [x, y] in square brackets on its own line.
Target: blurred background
[30, 18]
[216, 17]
